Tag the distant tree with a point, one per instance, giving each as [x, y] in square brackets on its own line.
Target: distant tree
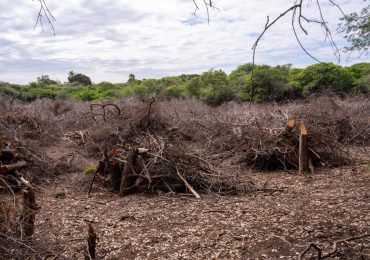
[240, 78]
[270, 84]
[361, 74]
[131, 78]
[45, 80]
[322, 76]
[106, 84]
[212, 86]
[71, 74]
[187, 77]
[78, 78]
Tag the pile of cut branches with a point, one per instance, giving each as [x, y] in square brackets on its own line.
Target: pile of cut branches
[10, 176]
[261, 139]
[155, 156]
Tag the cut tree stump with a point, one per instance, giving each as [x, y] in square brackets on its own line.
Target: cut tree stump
[91, 244]
[290, 125]
[303, 150]
[29, 211]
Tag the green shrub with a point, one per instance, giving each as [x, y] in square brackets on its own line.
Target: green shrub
[44, 80]
[90, 169]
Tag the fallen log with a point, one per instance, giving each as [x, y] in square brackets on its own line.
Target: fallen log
[7, 154]
[4, 169]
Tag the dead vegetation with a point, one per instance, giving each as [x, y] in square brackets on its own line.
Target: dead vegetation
[173, 146]
[166, 142]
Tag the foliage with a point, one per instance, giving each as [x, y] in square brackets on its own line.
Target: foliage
[90, 169]
[131, 78]
[361, 75]
[44, 80]
[187, 77]
[79, 78]
[212, 86]
[321, 76]
[269, 84]
[356, 27]
[215, 87]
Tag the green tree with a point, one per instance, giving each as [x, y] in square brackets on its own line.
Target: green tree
[45, 80]
[356, 27]
[213, 87]
[270, 84]
[321, 76]
[361, 74]
[131, 78]
[78, 78]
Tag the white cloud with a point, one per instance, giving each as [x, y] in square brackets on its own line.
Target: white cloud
[108, 39]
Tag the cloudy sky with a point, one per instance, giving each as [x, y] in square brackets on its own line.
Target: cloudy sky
[109, 39]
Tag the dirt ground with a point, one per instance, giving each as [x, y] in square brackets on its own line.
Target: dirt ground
[278, 224]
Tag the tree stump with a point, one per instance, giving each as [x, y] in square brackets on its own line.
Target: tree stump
[303, 150]
[29, 211]
[290, 125]
[91, 243]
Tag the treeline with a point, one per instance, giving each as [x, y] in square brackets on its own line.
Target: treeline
[214, 87]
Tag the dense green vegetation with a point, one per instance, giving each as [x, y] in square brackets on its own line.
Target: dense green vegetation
[214, 87]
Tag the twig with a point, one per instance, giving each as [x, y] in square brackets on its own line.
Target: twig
[359, 133]
[44, 12]
[187, 184]
[297, 17]
[334, 248]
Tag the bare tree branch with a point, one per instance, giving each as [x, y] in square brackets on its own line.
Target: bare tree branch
[208, 4]
[44, 13]
[297, 18]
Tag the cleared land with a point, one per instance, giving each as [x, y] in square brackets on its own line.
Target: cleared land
[274, 213]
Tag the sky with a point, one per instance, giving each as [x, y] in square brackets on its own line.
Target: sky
[109, 39]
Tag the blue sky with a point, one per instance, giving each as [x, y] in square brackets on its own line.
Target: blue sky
[108, 40]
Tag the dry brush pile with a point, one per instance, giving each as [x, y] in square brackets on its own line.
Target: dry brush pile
[158, 145]
[172, 145]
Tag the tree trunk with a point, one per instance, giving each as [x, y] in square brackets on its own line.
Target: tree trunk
[303, 150]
